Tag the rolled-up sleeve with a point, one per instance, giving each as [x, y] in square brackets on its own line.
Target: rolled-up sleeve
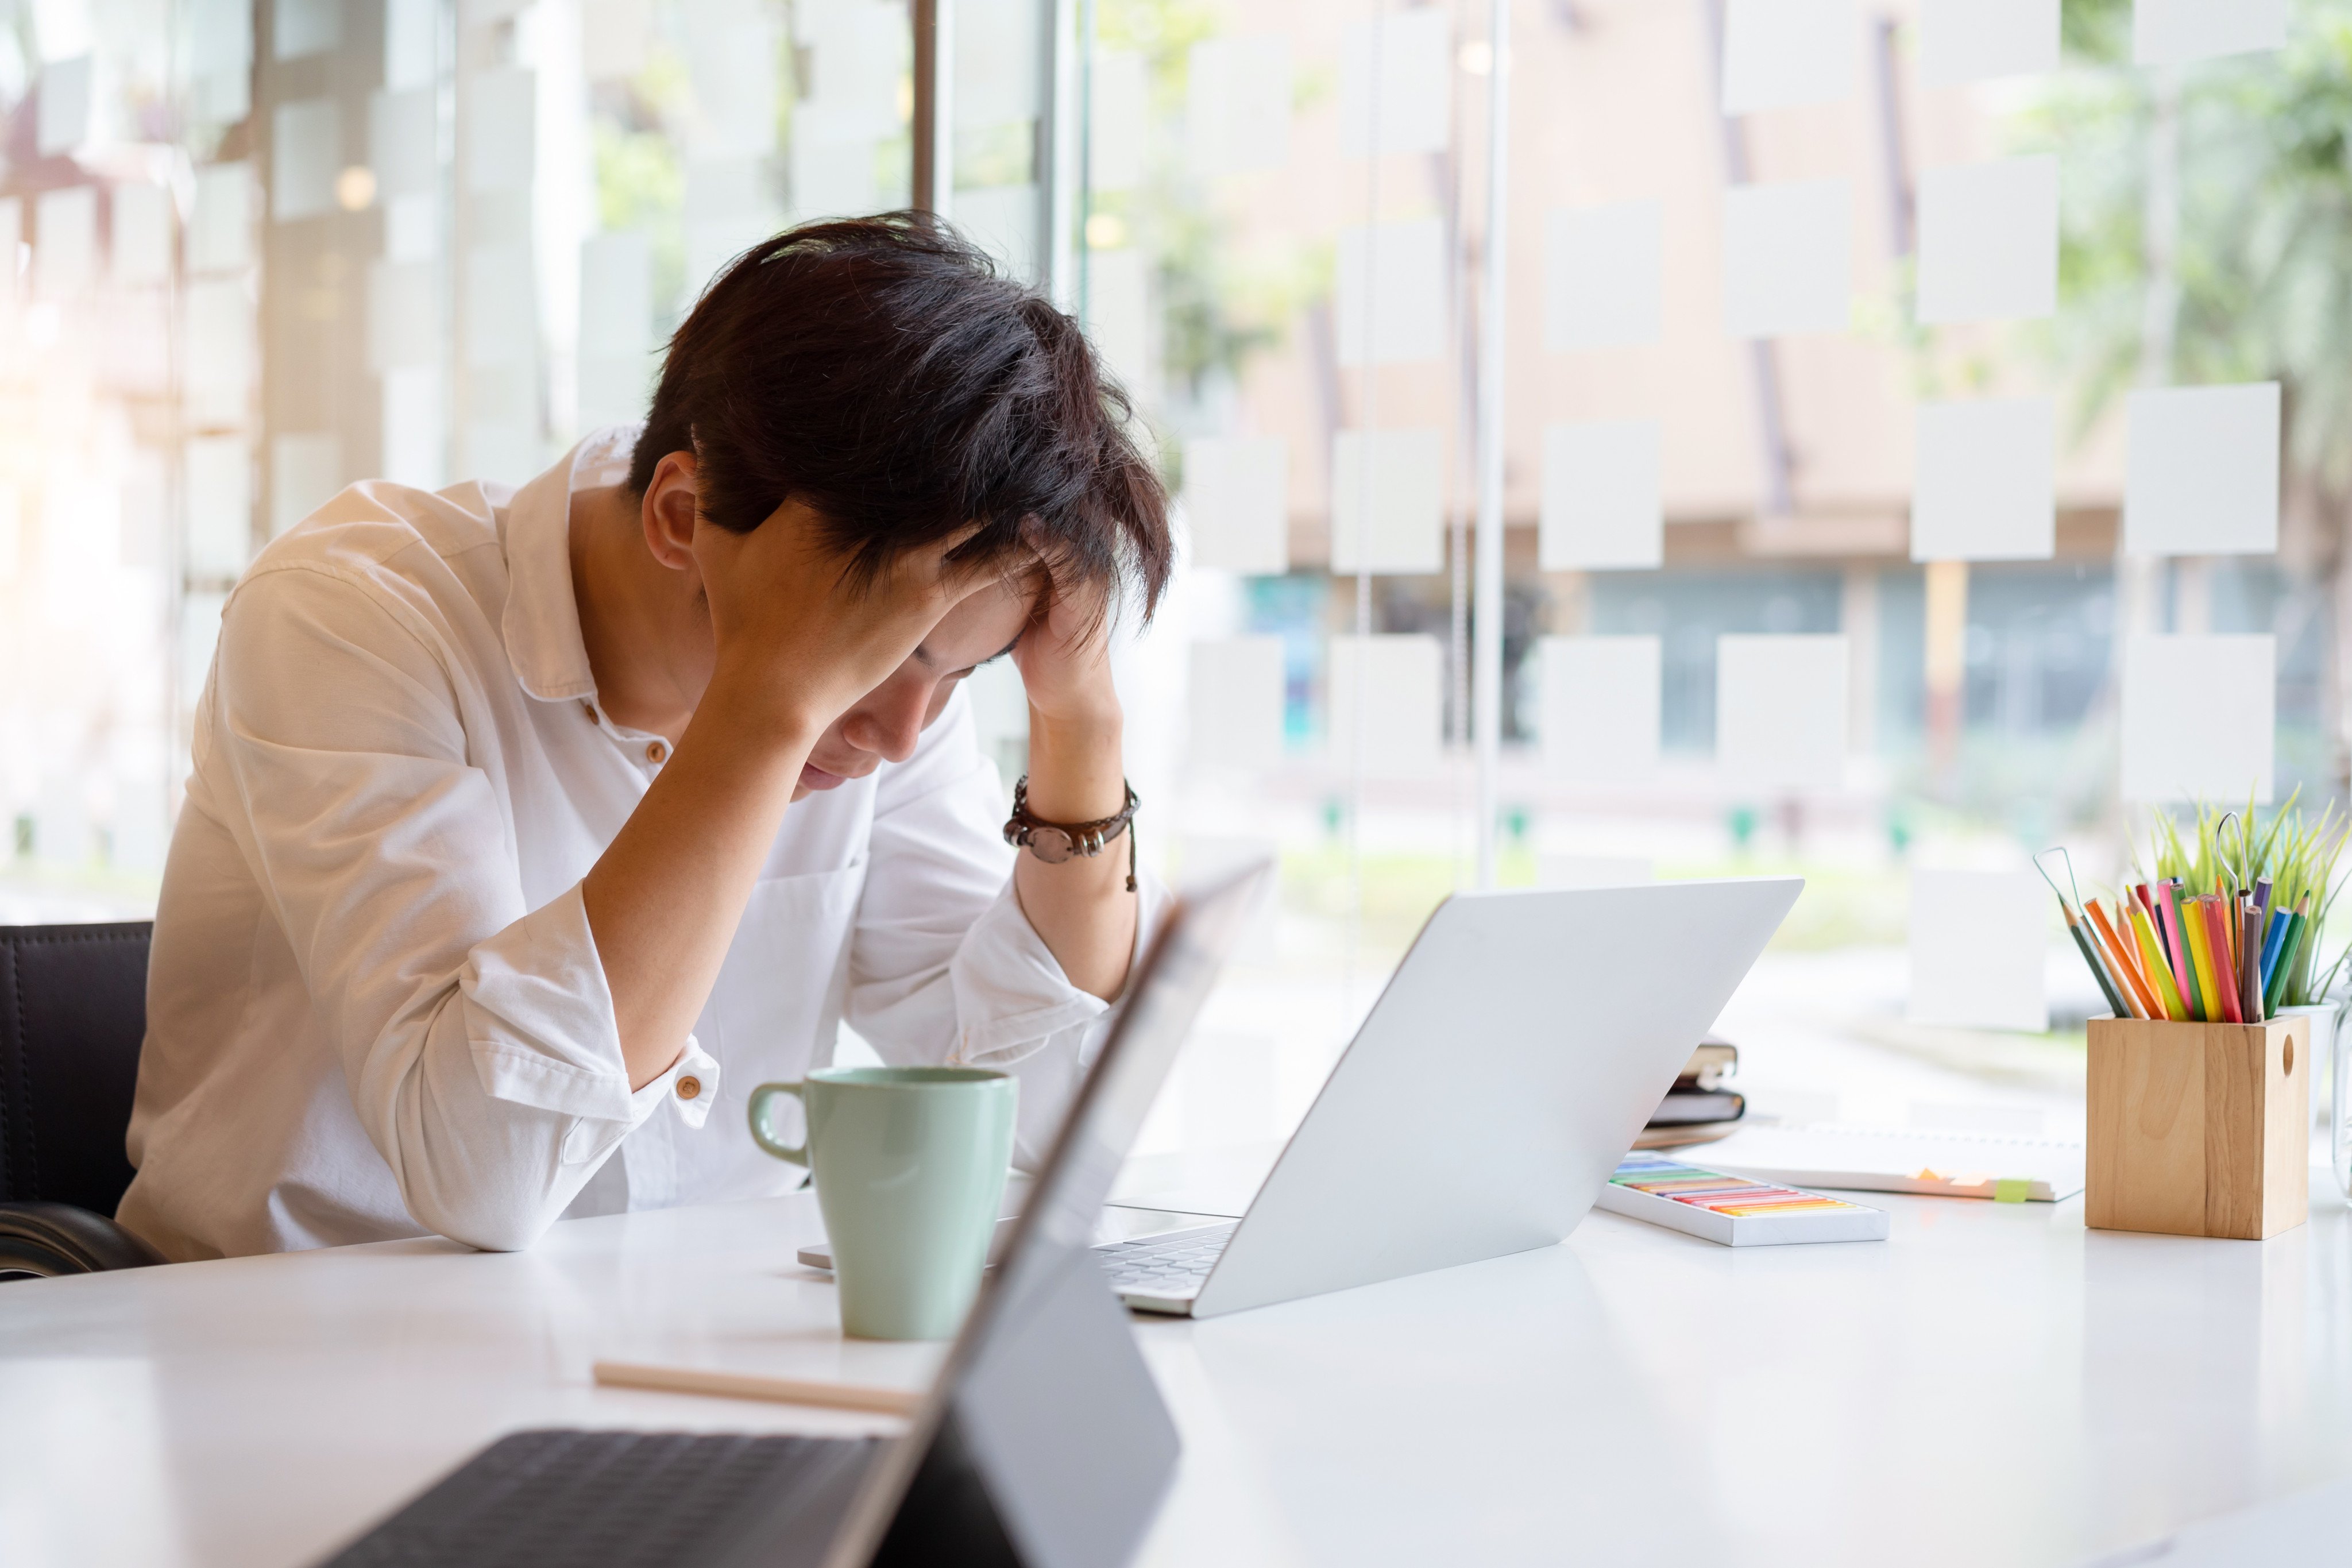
[944, 966]
[476, 1034]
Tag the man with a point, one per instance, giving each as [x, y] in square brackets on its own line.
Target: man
[529, 830]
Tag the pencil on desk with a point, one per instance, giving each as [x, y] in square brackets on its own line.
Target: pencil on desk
[756, 1386]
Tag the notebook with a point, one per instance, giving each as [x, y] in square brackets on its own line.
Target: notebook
[2005, 1167]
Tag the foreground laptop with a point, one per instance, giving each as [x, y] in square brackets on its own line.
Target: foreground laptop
[1494, 1087]
[1042, 1443]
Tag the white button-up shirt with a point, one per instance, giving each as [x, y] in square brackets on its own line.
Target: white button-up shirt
[375, 1008]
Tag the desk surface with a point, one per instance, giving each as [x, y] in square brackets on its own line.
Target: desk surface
[1991, 1386]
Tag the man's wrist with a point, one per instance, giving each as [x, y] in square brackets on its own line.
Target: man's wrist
[1075, 770]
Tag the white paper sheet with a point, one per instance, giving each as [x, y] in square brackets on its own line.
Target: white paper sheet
[1780, 712]
[1237, 504]
[415, 427]
[65, 242]
[1601, 703]
[1390, 305]
[1237, 701]
[731, 51]
[1788, 259]
[142, 234]
[1971, 41]
[997, 54]
[1602, 276]
[403, 144]
[832, 177]
[299, 27]
[728, 208]
[1119, 107]
[1003, 221]
[305, 472]
[1237, 105]
[2201, 476]
[499, 135]
[1780, 53]
[67, 95]
[1395, 80]
[12, 246]
[1401, 531]
[1984, 486]
[1601, 508]
[1402, 708]
[2200, 718]
[857, 53]
[615, 37]
[218, 374]
[220, 506]
[412, 42]
[1980, 941]
[2177, 32]
[616, 295]
[501, 310]
[220, 223]
[1988, 240]
[306, 154]
[1118, 315]
[404, 314]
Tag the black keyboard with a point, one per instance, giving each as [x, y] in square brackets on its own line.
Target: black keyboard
[616, 1499]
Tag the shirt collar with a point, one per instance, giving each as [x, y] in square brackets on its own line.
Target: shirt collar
[541, 622]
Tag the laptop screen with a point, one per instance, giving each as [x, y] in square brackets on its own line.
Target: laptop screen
[1047, 1444]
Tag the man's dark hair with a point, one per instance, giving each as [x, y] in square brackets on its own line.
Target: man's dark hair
[881, 371]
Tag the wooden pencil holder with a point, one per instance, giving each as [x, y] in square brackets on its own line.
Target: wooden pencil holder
[2200, 1128]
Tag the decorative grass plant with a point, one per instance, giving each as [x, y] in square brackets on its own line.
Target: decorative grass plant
[2228, 850]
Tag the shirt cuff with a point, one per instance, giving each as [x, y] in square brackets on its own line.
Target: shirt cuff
[541, 1030]
[1010, 992]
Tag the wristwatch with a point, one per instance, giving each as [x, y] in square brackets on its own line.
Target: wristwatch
[1055, 842]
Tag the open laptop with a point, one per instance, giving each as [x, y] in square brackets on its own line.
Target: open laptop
[1041, 1444]
[1493, 1088]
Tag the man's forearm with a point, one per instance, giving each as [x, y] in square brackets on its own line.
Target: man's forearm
[1080, 909]
[665, 897]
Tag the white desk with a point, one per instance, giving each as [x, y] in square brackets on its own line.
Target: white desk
[1991, 1386]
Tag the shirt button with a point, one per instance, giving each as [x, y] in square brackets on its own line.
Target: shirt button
[655, 752]
[689, 1086]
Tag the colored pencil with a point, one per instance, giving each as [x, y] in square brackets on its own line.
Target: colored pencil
[2176, 932]
[2143, 923]
[2250, 961]
[2122, 959]
[2116, 1003]
[2193, 937]
[2298, 931]
[2214, 910]
[2270, 941]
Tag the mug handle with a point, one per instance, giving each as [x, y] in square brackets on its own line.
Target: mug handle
[761, 1097]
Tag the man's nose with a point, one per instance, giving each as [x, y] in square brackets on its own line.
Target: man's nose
[887, 722]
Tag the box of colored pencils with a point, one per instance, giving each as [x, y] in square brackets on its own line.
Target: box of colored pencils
[2199, 1093]
[1732, 1210]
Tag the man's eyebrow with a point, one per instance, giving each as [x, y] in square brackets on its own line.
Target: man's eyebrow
[930, 662]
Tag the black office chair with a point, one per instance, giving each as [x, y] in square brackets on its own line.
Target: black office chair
[73, 1010]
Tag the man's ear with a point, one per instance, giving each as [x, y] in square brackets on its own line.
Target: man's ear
[668, 513]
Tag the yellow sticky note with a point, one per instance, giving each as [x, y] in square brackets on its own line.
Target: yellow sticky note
[2011, 1190]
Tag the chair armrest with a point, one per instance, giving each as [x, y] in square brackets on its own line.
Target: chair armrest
[41, 1240]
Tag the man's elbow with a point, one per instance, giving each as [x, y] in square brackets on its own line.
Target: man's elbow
[471, 1220]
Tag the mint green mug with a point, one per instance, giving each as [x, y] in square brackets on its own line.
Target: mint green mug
[910, 1165]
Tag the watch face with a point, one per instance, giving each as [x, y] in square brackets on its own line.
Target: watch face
[1051, 845]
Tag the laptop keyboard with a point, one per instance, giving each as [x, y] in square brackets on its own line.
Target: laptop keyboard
[1165, 1265]
[616, 1499]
